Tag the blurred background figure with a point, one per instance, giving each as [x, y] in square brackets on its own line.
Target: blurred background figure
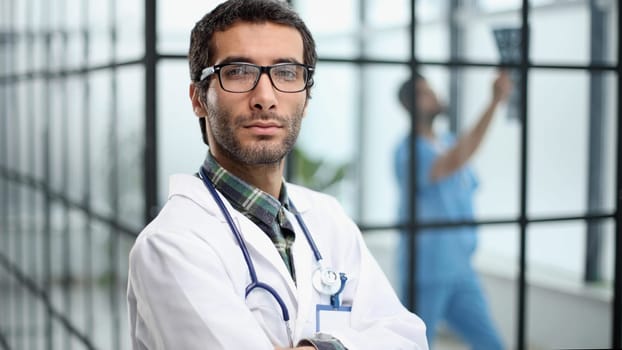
[447, 286]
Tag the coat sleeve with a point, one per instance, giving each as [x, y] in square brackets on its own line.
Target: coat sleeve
[378, 319]
[181, 297]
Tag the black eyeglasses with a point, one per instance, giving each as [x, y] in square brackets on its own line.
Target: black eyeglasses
[243, 77]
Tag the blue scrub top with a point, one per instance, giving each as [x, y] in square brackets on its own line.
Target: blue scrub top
[442, 253]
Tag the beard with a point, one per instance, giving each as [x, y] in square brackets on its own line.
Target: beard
[263, 150]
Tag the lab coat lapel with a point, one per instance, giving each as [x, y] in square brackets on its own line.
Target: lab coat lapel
[304, 263]
[260, 244]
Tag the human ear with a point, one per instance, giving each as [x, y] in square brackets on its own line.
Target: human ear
[197, 105]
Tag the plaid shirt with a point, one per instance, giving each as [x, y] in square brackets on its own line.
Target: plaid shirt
[269, 214]
[261, 208]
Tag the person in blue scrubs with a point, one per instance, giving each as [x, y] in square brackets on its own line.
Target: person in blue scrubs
[447, 286]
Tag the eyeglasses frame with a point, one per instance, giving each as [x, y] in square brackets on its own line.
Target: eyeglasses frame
[215, 70]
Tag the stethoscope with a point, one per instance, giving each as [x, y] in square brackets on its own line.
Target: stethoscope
[324, 280]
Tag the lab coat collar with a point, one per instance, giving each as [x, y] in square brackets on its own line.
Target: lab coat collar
[299, 197]
[193, 188]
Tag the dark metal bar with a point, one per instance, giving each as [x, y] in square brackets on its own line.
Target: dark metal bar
[459, 62]
[616, 335]
[48, 74]
[64, 100]
[89, 312]
[411, 230]
[113, 246]
[151, 145]
[14, 139]
[31, 231]
[361, 126]
[7, 79]
[595, 185]
[476, 223]
[4, 185]
[4, 189]
[455, 51]
[521, 333]
[47, 203]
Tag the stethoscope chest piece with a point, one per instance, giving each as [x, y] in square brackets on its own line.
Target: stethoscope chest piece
[326, 281]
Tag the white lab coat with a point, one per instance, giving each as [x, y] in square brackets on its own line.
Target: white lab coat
[187, 279]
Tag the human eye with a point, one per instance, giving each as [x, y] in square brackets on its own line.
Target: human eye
[288, 72]
[238, 72]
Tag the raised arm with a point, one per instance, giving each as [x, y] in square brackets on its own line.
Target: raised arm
[468, 143]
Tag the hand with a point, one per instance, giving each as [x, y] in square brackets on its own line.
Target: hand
[502, 87]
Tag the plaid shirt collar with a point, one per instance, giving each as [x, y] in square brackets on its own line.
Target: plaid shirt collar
[247, 199]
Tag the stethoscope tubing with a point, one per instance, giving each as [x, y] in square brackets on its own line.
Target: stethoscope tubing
[249, 262]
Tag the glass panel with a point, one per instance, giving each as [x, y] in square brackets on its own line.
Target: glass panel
[17, 35]
[100, 45]
[337, 32]
[563, 98]
[130, 29]
[175, 21]
[380, 110]
[38, 23]
[41, 110]
[38, 247]
[178, 128]
[383, 245]
[76, 138]
[38, 55]
[56, 253]
[56, 119]
[557, 292]
[496, 162]
[481, 281]
[23, 126]
[10, 139]
[100, 126]
[479, 31]
[495, 263]
[432, 31]
[79, 275]
[562, 32]
[386, 30]
[335, 103]
[72, 26]
[27, 148]
[131, 138]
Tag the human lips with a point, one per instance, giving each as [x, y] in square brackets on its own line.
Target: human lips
[263, 127]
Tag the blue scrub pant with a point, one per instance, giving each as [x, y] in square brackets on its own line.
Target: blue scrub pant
[462, 305]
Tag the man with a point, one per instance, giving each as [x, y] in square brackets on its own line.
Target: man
[237, 258]
[447, 287]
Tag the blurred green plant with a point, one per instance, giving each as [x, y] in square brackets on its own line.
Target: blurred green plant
[316, 174]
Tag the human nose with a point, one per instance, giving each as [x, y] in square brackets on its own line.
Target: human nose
[263, 95]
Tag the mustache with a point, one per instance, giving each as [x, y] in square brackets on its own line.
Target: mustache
[245, 119]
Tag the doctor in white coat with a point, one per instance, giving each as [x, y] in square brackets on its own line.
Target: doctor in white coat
[238, 258]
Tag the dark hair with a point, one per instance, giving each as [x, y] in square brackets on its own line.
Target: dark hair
[406, 93]
[225, 15]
